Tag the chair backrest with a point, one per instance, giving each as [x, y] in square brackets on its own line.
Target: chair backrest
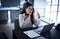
[3, 35]
[16, 24]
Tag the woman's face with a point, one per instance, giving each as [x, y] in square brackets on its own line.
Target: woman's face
[29, 10]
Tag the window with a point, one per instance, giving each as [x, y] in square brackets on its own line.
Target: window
[59, 8]
[21, 3]
[51, 9]
[0, 2]
[53, 17]
[58, 17]
[39, 5]
[54, 2]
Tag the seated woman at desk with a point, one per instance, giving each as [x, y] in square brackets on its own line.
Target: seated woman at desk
[28, 17]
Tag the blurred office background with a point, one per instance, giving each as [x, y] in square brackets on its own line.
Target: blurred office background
[10, 9]
[49, 9]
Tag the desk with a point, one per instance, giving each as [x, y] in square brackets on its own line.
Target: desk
[52, 34]
[18, 34]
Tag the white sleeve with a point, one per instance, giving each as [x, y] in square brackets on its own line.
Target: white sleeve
[36, 19]
[21, 21]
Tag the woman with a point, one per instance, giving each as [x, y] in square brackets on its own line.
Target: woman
[27, 18]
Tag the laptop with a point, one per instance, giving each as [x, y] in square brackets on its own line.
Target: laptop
[44, 29]
[36, 32]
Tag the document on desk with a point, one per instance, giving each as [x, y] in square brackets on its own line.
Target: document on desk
[31, 34]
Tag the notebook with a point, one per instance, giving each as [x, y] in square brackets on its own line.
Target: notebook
[31, 34]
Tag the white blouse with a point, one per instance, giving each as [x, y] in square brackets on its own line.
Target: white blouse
[27, 23]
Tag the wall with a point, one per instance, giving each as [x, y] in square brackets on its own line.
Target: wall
[10, 3]
[3, 16]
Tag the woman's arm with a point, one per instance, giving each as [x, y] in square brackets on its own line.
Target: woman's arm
[22, 20]
[37, 19]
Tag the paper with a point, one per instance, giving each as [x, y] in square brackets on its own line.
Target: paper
[31, 34]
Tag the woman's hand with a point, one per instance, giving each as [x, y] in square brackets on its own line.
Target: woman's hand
[38, 22]
[38, 14]
[25, 18]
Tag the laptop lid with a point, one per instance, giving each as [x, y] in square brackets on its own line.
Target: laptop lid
[47, 28]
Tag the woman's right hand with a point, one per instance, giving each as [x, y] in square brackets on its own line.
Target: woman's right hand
[25, 18]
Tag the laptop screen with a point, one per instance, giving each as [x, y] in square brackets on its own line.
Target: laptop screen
[47, 28]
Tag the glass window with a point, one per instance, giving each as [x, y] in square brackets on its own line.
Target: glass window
[53, 17]
[54, 2]
[0, 2]
[21, 3]
[47, 9]
[53, 8]
[47, 15]
[59, 7]
[59, 1]
[40, 5]
[58, 17]
[49, 2]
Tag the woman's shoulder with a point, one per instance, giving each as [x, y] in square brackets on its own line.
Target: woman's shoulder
[21, 14]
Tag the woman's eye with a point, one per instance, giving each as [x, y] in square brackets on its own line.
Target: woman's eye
[31, 9]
